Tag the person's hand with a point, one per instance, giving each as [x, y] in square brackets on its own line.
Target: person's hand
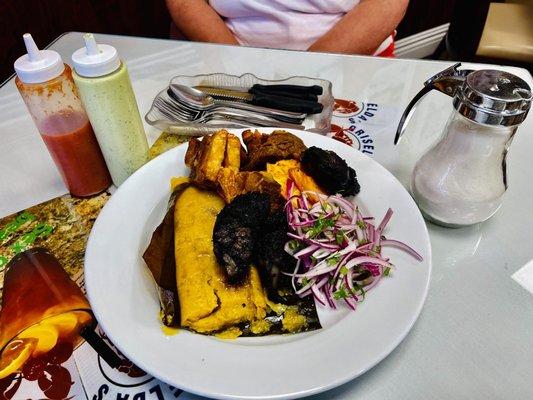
[364, 28]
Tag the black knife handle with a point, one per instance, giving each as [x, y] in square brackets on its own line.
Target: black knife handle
[302, 96]
[296, 89]
[286, 103]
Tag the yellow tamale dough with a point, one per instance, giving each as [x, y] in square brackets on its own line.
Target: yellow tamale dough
[230, 333]
[207, 304]
[293, 321]
[260, 327]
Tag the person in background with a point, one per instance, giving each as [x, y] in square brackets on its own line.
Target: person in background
[332, 26]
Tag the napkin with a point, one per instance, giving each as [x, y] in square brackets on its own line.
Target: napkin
[65, 381]
[366, 126]
[128, 382]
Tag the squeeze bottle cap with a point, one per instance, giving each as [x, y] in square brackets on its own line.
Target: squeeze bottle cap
[38, 66]
[95, 59]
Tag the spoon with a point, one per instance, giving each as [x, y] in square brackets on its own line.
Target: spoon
[191, 96]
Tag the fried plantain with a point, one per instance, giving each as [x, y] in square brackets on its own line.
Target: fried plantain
[234, 153]
[206, 158]
[231, 184]
[304, 183]
[280, 172]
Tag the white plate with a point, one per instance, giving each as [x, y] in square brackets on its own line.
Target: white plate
[123, 296]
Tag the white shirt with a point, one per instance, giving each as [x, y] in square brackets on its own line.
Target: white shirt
[286, 24]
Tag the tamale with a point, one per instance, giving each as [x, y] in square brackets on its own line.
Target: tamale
[193, 291]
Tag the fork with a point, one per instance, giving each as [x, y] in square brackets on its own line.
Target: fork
[173, 112]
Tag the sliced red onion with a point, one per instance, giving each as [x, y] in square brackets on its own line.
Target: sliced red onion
[318, 295]
[359, 234]
[348, 249]
[366, 259]
[370, 232]
[364, 247]
[403, 246]
[306, 252]
[329, 296]
[345, 227]
[350, 302]
[373, 283]
[329, 246]
[321, 282]
[346, 245]
[321, 253]
[295, 236]
[304, 223]
[309, 286]
[384, 222]
[317, 272]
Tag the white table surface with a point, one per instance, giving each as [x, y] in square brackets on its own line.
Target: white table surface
[474, 338]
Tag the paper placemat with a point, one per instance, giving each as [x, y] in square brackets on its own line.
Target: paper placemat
[62, 225]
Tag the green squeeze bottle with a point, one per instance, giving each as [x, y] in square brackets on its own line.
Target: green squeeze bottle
[105, 89]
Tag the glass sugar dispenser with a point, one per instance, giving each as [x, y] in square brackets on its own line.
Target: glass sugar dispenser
[462, 179]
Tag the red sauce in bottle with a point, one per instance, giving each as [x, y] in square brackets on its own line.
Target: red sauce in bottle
[70, 140]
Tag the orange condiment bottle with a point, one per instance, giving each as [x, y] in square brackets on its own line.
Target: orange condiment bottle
[46, 86]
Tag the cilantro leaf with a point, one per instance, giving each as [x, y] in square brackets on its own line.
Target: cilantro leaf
[293, 244]
[339, 237]
[340, 294]
[333, 259]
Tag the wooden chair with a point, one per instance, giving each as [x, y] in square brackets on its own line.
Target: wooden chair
[508, 32]
[492, 32]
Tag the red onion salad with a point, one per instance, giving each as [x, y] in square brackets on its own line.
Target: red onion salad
[338, 250]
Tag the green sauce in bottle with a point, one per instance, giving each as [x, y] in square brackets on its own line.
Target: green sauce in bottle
[105, 89]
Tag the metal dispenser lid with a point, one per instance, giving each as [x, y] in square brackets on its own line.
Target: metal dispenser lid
[493, 97]
[486, 96]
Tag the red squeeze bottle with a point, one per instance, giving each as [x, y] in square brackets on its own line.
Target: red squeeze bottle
[46, 86]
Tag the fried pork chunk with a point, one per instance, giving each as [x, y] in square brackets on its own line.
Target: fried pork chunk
[269, 148]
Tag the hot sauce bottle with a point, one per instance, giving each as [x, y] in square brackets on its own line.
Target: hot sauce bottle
[46, 86]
